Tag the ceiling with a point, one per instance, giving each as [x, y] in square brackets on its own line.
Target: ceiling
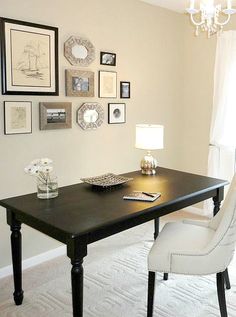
[180, 5]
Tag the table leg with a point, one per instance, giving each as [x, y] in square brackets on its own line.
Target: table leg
[217, 200]
[16, 257]
[76, 250]
[156, 227]
[77, 279]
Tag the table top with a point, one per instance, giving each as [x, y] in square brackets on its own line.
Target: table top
[81, 210]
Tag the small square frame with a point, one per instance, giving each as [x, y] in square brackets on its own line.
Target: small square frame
[125, 89]
[79, 83]
[17, 117]
[107, 58]
[107, 84]
[50, 116]
[116, 113]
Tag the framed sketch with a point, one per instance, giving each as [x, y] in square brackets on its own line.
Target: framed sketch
[116, 113]
[107, 58]
[79, 83]
[107, 84]
[17, 117]
[54, 115]
[124, 89]
[29, 58]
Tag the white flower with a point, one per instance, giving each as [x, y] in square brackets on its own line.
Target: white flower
[35, 162]
[41, 169]
[31, 169]
[46, 161]
[46, 169]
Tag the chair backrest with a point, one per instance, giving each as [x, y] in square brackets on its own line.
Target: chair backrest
[224, 223]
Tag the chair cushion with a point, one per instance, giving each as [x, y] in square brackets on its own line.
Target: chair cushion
[179, 239]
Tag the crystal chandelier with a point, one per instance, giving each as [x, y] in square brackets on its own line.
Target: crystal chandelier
[210, 17]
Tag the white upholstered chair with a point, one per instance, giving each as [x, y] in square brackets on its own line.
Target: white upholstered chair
[197, 248]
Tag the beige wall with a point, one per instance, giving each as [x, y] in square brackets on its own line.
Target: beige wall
[199, 60]
[149, 46]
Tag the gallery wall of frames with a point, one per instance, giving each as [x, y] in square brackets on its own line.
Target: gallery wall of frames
[30, 66]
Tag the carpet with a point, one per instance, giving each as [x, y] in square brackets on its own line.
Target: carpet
[115, 285]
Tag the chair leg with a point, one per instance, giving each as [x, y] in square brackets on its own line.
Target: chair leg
[165, 277]
[151, 292]
[227, 281]
[221, 294]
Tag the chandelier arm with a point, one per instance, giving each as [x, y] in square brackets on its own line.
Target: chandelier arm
[223, 23]
[196, 23]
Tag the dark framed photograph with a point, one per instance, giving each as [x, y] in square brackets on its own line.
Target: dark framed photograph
[79, 83]
[116, 113]
[125, 89]
[107, 58]
[17, 117]
[54, 115]
[29, 58]
[107, 84]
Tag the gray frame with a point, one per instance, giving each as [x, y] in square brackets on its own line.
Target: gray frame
[81, 42]
[80, 74]
[45, 107]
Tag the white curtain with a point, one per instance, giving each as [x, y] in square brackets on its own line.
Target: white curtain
[221, 160]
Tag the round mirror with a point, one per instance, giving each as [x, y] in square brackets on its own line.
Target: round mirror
[79, 51]
[90, 116]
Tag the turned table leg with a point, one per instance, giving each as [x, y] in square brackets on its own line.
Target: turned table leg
[77, 280]
[76, 250]
[16, 256]
[156, 227]
[217, 200]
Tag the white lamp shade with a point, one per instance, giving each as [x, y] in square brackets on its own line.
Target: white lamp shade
[149, 136]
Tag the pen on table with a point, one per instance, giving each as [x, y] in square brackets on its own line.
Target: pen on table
[147, 194]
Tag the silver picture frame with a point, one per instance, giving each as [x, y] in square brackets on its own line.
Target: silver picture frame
[55, 115]
[79, 83]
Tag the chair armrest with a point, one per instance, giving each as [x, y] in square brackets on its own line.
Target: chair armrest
[201, 223]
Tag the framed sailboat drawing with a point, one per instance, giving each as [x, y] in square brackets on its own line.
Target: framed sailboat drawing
[29, 58]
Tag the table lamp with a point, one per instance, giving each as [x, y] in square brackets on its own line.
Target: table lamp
[149, 137]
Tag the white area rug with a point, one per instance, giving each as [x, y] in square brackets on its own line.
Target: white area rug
[115, 285]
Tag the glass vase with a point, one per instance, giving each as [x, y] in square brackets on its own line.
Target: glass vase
[47, 189]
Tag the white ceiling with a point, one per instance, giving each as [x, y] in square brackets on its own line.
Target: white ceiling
[180, 5]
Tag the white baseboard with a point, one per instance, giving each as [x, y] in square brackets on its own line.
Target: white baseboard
[35, 260]
[195, 210]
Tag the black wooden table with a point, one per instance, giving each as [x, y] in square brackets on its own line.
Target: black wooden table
[81, 215]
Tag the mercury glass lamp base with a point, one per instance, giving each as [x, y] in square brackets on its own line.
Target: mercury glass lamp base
[148, 164]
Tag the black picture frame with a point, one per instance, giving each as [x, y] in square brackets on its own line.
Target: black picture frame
[29, 58]
[125, 89]
[107, 58]
[120, 109]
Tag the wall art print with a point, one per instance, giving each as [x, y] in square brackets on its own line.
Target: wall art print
[29, 58]
[17, 117]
